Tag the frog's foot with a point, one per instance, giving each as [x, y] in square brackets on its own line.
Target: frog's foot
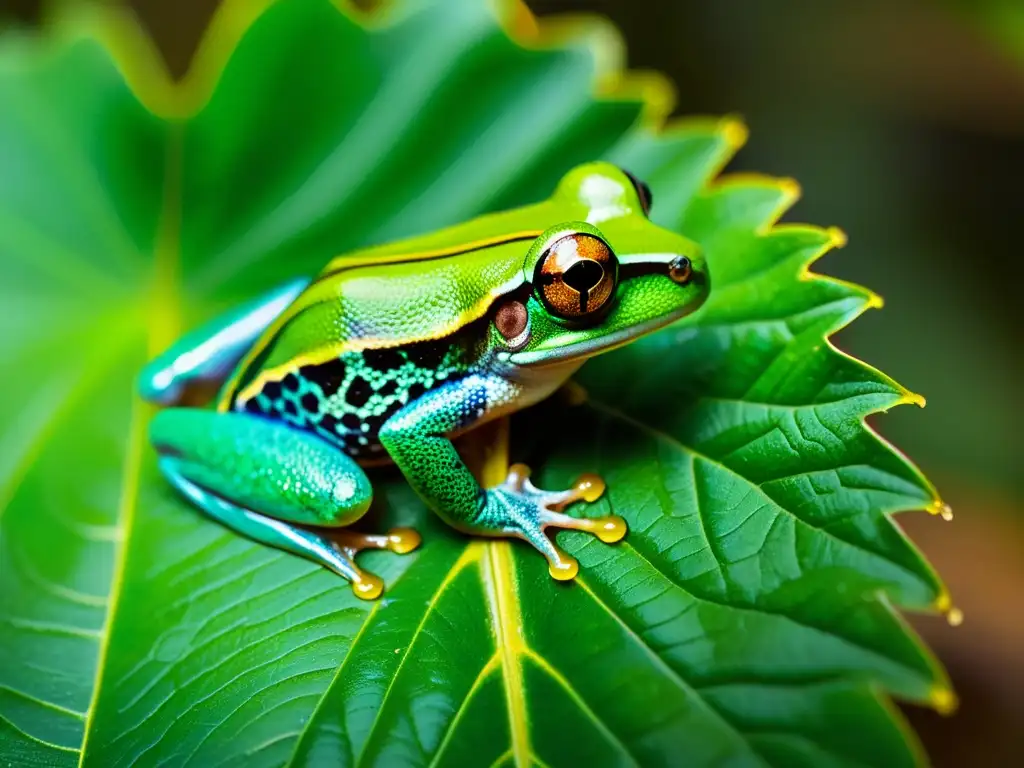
[348, 544]
[518, 508]
[332, 548]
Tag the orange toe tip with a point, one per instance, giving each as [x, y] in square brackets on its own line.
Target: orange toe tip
[611, 529]
[565, 569]
[589, 487]
[403, 540]
[368, 587]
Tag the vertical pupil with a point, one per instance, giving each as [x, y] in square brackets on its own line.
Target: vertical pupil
[583, 277]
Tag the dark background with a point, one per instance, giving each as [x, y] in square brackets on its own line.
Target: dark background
[903, 120]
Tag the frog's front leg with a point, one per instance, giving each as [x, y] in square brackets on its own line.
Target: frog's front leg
[209, 353]
[417, 439]
[260, 478]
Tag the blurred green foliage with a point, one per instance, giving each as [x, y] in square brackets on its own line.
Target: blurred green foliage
[1003, 19]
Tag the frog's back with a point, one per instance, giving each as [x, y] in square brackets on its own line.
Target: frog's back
[374, 331]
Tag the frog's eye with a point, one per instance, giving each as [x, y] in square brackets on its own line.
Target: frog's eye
[576, 277]
[642, 191]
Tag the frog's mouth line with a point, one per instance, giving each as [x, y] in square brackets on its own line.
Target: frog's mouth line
[583, 349]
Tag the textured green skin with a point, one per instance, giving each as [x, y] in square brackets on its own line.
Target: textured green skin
[390, 360]
[308, 481]
[417, 440]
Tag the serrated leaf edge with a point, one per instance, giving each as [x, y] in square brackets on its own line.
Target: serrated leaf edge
[942, 698]
[139, 62]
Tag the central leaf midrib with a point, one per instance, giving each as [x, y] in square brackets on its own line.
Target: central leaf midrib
[162, 327]
[499, 582]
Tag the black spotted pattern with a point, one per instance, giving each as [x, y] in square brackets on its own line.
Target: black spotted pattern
[349, 398]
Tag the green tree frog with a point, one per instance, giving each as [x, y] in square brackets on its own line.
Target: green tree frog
[391, 352]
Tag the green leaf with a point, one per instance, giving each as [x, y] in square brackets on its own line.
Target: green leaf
[748, 616]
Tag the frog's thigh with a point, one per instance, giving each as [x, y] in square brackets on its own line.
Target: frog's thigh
[259, 478]
[208, 354]
[264, 466]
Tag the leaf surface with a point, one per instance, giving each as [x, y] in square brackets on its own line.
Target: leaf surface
[748, 616]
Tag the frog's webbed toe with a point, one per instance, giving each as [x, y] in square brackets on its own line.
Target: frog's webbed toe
[348, 544]
[528, 511]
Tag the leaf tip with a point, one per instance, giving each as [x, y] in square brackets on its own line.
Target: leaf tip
[837, 237]
[734, 132]
[944, 605]
[520, 20]
[652, 89]
[942, 509]
[943, 700]
[907, 397]
[791, 191]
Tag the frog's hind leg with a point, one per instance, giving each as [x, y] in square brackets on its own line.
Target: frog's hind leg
[204, 358]
[276, 533]
[268, 482]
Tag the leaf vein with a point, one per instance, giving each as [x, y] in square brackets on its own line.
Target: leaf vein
[614, 741]
[470, 555]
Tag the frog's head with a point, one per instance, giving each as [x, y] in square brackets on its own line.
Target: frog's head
[599, 279]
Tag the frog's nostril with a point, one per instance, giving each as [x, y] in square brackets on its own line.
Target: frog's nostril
[583, 275]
